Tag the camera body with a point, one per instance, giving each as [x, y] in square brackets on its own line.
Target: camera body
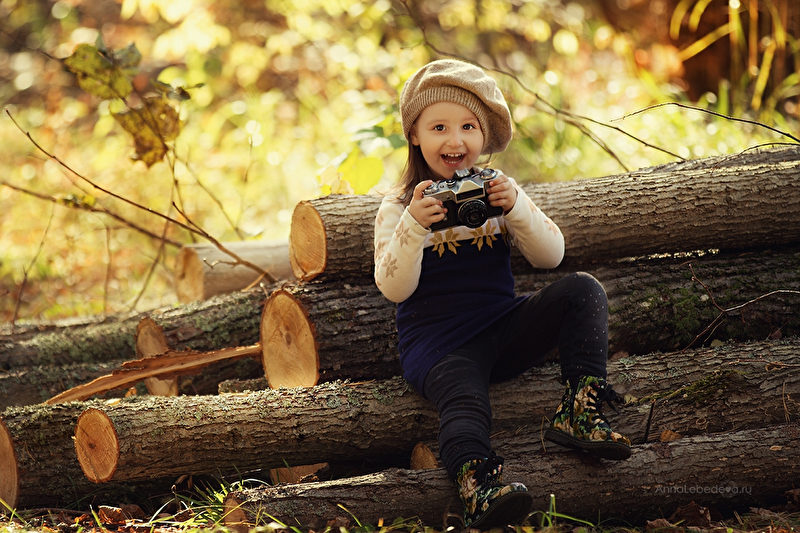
[465, 198]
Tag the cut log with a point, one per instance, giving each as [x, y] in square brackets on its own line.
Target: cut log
[150, 342]
[729, 471]
[322, 331]
[333, 234]
[752, 199]
[29, 386]
[268, 429]
[315, 332]
[730, 387]
[220, 322]
[165, 366]
[656, 305]
[203, 271]
[38, 465]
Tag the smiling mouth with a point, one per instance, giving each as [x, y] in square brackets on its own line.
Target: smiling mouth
[453, 159]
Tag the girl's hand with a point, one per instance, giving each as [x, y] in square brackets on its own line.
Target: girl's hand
[425, 210]
[502, 193]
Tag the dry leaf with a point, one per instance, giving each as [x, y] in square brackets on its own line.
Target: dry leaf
[668, 436]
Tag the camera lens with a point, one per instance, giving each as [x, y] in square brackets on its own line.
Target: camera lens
[473, 214]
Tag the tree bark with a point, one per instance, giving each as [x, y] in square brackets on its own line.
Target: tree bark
[666, 304]
[203, 271]
[28, 386]
[741, 201]
[333, 235]
[654, 305]
[717, 470]
[38, 465]
[347, 330]
[730, 387]
[220, 322]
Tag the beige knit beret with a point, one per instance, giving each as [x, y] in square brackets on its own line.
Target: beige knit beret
[449, 80]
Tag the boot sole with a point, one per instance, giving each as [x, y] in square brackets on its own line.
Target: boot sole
[615, 451]
[509, 509]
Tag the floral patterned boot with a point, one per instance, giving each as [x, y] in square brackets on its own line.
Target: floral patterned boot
[488, 503]
[579, 422]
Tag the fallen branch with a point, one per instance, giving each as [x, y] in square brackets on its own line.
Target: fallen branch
[164, 366]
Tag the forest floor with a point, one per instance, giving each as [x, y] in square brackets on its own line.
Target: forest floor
[691, 518]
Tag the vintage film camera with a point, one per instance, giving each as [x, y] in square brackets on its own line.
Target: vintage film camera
[465, 198]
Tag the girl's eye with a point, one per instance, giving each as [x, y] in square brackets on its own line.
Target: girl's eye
[439, 127]
[469, 126]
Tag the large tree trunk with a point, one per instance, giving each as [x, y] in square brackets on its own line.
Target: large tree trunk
[730, 387]
[203, 271]
[321, 331]
[654, 305]
[652, 483]
[221, 322]
[748, 200]
[718, 470]
[666, 303]
[38, 465]
[28, 386]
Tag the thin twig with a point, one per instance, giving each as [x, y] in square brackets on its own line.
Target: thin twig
[216, 200]
[91, 209]
[190, 226]
[26, 270]
[153, 265]
[108, 271]
[237, 260]
[99, 188]
[545, 106]
[723, 311]
[710, 112]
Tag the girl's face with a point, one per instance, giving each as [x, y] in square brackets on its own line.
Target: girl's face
[449, 136]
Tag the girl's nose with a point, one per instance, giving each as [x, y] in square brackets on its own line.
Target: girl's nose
[454, 139]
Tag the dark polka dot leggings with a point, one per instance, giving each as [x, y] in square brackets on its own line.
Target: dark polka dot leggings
[570, 314]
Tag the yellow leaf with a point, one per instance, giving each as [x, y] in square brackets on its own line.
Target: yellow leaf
[97, 74]
[151, 125]
[363, 173]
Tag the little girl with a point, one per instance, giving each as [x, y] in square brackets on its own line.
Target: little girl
[460, 326]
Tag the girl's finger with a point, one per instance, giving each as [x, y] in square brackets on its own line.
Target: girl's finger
[421, 186]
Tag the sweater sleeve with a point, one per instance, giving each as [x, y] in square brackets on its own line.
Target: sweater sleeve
[538, 238]
[399, 241]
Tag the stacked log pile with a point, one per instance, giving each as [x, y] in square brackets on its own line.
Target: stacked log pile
[40, 361]
[680, 248]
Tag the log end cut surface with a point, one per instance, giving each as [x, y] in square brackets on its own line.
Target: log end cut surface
[9, 475]
[308, 250]
[188, 276]
[96, 445]
[288, 342]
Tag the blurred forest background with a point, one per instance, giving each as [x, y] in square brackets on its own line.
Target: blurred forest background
[285, 100]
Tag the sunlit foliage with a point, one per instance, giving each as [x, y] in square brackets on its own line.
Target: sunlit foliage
[285, 100]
